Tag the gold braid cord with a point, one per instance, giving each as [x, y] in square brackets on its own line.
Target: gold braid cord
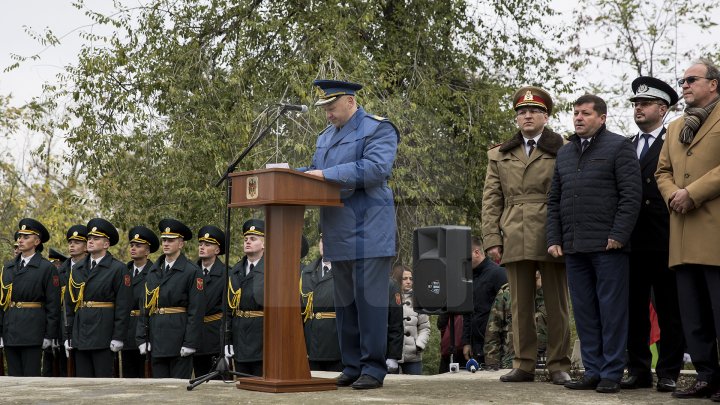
[77, 299]
[154, 295]
[233, 296]
[307, 313]
[5, 297]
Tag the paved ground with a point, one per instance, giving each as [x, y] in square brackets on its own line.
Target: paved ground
[462, 388]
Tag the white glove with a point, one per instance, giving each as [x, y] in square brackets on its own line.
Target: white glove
[116, 345]
[1, 343]
[186, 351]
[229, 351]
[68, 347]
[55, 343]
[46, 343]
[145, 347]
[392, 365]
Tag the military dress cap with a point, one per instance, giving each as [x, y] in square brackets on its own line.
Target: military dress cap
[141, 234]
[77, 232]
[650, 88]
[104, 229]
[212, 234]
[531, 96]
[17, 235]
[29, 226]
[330, 90]
[304, 246]
[54, 255]
[254, 227]
[173, 229]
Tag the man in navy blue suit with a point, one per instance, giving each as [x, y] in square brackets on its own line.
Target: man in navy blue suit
[357, 151]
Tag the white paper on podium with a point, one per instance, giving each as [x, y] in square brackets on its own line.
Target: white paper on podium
[277, 166]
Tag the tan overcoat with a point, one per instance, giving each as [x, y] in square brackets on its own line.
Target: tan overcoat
[515, 197]
[695, 236]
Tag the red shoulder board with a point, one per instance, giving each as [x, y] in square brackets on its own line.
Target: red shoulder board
[199, 284]
[127, 280]
[56, 281]
[397, 298]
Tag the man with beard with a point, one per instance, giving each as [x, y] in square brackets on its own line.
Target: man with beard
[174, 301]
[97, 303]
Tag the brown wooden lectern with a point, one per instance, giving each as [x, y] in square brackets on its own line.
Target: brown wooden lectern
[284, 193]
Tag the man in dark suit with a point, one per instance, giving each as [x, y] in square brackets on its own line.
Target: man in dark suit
[29, 302]
[175, 302]
[211, 244]
[649, 257]
[246, 295]
[142, 242]
[97, 303]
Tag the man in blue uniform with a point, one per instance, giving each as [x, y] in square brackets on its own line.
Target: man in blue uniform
[357, 151]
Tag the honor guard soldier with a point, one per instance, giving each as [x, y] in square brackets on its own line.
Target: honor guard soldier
[211, 244]
[318, 304]
[29, 302]
[246, 294]
[175, 301]
[142, 242]
[76, 237]
[97, 303]
[51, 355]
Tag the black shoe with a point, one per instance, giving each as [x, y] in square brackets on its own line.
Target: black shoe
[344, 380]
[517, 375]
[586, 383]
[632, 382]
[701, 389]
[366, 382]
[666, 385]
[607, 386]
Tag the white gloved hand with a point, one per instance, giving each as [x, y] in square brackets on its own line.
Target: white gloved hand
[116, 345]
[229, 351]
[186, 351]
[145, 347]
[55, 343]
[1, 343]
[392, 365]
[46, 343]
[68, 347]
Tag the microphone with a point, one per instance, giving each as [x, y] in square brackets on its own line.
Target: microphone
[301, 108]
[472, 366]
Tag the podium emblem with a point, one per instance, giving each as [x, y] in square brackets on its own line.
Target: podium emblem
[252, 188]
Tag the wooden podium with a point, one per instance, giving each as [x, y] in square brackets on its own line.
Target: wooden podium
[284, 193]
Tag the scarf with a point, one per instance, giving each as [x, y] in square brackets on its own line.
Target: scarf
[694, 118]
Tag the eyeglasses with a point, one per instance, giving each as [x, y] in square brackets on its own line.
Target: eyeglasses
[690, 80]
[523, 111]
[645, 104]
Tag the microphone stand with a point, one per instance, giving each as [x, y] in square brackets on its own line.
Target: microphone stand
[221, 366]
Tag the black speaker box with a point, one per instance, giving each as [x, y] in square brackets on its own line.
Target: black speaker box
[442, 270]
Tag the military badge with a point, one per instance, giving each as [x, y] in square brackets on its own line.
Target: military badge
[643, 88]
[22, 228]
[207, 235]
[127, 280]
[94, 229]
[75, 233]
[528, 96]
[252, 188]
[167, 230]
[56, 281]
[199, 284]
[137, 236]
[397, 298]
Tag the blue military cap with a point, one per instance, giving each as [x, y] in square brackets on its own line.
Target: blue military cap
[172, 229]
[254, 227]
[330, 90]
[104, 229]
[29, 226]
[77, 232]
[212, 234]
[650, 88]
[141, 234]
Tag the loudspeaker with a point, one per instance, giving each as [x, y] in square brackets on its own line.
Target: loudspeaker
[442, 269]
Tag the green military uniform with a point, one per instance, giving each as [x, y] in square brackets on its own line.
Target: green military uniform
[97, 303]
[318, 305]
[175, 300]
[29, 306]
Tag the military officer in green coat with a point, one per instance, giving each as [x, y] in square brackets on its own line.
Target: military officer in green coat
[29, 302]
[175, 302]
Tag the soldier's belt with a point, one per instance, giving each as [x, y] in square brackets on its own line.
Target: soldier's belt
[97, 304]
[135, 312]
[249, 314]
[323, 315]
[26, 304]
[525, 198]
[212, 318]
[170, 310]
